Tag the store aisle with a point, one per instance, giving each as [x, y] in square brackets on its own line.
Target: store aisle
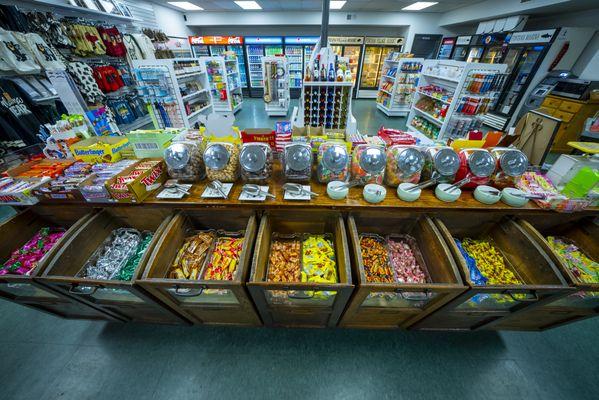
[252, 115]
[47, 358]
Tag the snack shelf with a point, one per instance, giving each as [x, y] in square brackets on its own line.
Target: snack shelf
[397, 85]
[223, 74]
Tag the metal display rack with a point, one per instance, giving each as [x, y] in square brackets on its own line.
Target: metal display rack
[176, 91]
[224, 82]
[276, 85]
[461, 94]
[399, 79]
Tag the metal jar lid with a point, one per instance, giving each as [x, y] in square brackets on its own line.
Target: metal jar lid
[373, 160]
[410, 161]
[446, 162]
[335, 158]
[298, 157]
[216, 156]
[177, 156]
[481, 163]
[252, 158]
[513, 162]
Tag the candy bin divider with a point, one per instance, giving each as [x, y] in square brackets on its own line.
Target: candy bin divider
[450, 284]
[20, 228]
[315, 222]
[153, 279]
[61, 274]
[554, 314]
[505, 233]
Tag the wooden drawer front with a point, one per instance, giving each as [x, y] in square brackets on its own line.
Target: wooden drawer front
[379, 318]
[454, 320]
[69, 309]
[223, 316]
[542, 318]
[570, 107]
[551, 102]
[563, 115]
[26, 291]
[547, 110]
[144, 313]
[299, 317]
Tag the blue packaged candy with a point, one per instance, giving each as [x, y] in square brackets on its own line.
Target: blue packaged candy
[475, 275]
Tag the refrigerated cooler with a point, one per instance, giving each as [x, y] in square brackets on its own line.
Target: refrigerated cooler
[350, 47]
[446, 48]
[298, 50]
[376, 50]
[215, 46]
[529, 57]
[255, 48]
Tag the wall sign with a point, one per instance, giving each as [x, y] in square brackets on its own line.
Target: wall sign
[215, 40]
[301, 39]
[385, 40]
[346, 40]
[543, 36]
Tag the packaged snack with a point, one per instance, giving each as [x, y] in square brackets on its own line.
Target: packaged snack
[333, 162]
[297, 162]
[222, 161]
[368, 163]
[25, 259]
[191, 256]
[406, 260]
[582, 267]
[404, 164]
[256, 162]
[225, 259]
[284, 260]
[490, 262]
[375, 258]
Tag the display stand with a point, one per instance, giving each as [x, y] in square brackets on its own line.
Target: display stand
[276, 86]
[225, 82]
[452, 97]
[176, 91]
[398, 82]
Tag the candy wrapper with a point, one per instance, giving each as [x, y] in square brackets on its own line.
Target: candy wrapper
[192, 255]
[225, 259]
[490, 262]
[538, 184]
[126, 273]
[22, 261]
[581, 266]
[404, 258]
[375, 258]
[284, 261]
[318, 260]
[475, 275]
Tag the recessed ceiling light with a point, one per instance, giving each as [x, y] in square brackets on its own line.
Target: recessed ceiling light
[248, 5]
[336, 5]
[420, 5]
[186, 5]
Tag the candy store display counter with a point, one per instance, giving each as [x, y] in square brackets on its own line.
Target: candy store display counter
[572, 246]
[200, 265]
[301, 273]
[23, 288]
[404, 270]
[512, 275]
[93, 265]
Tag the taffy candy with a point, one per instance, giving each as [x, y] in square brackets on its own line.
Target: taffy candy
[404, 262]
[375, 259]
[22, 261]
[490, 262]
[191, 256]
[224, 260]
[126, 273]
[284, 261]
[582, 267]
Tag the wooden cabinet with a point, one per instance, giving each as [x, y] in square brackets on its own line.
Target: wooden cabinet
[304, 304]
[573, 114]
[397, 305]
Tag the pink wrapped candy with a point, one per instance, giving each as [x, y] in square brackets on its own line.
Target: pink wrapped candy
[24, 260]
[404, 263]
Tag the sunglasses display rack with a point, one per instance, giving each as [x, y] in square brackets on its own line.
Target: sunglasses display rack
[176, 91]
[398, 83]
[224, 82]
[276, 85]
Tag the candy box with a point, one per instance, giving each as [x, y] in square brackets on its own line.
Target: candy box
[19, 192]
[149, 143]
[100, 149]
[40, 168]
[65, 188]
[136, 182]
[259, 135]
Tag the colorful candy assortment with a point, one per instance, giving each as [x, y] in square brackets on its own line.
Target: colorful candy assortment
[582, 267]
[224, 260]
[22, 261]
[490, 262]
[191, 257]
[376, 259]
[126, 273]
[318, 260]
[284, 261]
[403, 260]
[112, 255]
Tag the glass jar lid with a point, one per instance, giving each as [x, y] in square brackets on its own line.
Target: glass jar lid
[335, 158]
[298, 156]
[410, 161]
[252, 158]
[481, 163]
[373, 160]
[513, 162]
[177, 156]
[216, 156]
[446, 162]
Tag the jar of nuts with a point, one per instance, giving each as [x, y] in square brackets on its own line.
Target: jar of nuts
[297, 162]
[222, 161]
[184, 161]
[255, 160]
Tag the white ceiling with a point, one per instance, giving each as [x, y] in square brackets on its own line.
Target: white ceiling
[316, 5]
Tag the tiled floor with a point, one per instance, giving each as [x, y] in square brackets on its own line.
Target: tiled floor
[46, 358]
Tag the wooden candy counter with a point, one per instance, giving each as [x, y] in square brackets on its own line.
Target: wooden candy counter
[444, 301]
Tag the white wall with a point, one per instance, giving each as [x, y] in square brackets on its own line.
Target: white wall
[171, 21]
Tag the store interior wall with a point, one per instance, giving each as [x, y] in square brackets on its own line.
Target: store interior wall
[171, 22]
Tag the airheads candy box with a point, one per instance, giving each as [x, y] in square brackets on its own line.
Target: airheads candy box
[135, 183]
[100, 149]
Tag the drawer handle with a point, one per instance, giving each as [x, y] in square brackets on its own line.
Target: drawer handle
[85, 290]
[535, 296]
[188, 292]
[414, 296]
[295, 294]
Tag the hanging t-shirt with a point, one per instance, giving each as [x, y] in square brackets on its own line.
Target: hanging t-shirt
[146, 46]
[113, 41]
[14, 56]
[16, 111]
[134, 51]
[46, 55]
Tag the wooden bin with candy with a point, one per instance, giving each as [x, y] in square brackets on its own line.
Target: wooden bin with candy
[404, 270]
[100, 262]
[30, 239]
[301, 270]
[507, 271]
[574, 247]
[200, 265]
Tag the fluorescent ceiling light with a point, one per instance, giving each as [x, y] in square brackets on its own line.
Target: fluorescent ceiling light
[420, 5]
[186, 5]
[337, 5]
[248, 5]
